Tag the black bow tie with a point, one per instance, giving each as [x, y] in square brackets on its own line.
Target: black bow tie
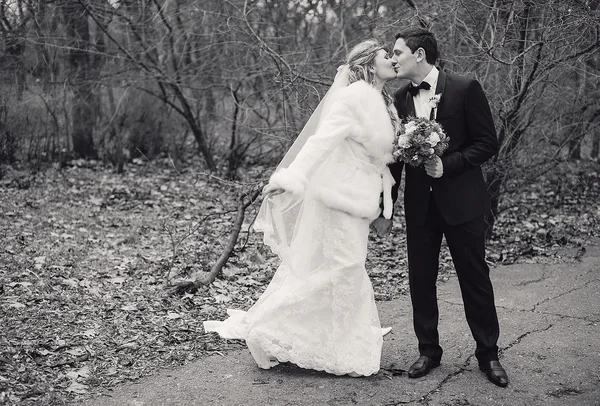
[414, 90]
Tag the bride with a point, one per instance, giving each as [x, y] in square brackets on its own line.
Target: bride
[319, 311]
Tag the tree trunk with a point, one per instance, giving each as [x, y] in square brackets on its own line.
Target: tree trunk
[595, 145]
[232, 161]
[494, 182]
[199, 135]
[511, 131]
[82, 109]
[576, 137]
[575, 145]
[15, 49]
[116, 129]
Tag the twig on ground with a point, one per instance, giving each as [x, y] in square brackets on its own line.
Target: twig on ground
[244, 200]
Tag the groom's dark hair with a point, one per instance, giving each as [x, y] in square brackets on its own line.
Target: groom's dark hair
[416, 38]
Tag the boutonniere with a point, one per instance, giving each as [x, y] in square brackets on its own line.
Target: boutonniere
[434, 100]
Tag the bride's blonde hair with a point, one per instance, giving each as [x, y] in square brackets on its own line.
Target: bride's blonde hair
[360, 60]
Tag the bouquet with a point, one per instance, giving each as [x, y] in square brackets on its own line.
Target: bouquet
[418, 140]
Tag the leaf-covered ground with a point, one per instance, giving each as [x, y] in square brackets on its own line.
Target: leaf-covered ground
[87, 257]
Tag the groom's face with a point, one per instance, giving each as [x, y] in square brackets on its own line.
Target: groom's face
[406, 60]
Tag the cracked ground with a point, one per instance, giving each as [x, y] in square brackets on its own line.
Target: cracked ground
[549, 344]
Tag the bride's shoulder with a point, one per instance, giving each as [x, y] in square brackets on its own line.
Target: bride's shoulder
[360, 87]
[359, 93]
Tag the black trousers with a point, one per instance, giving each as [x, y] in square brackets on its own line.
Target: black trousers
[467, 246]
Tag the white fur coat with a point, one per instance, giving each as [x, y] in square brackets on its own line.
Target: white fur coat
[345, 161]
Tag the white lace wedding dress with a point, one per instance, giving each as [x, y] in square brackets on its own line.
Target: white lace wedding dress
[320, 315]
[319, 311]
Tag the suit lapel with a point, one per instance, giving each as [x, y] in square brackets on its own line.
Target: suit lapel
[439, 89]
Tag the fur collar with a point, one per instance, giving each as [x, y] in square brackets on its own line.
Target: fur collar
[378, 131]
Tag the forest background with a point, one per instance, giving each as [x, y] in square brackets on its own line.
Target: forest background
[135, 134]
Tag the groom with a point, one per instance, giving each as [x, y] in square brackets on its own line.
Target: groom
[447, 197]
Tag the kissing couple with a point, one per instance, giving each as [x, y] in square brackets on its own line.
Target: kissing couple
[338, 180]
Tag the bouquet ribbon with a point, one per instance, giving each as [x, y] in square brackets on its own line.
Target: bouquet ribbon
[387, 181]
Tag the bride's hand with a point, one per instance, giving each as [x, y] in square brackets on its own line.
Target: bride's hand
[272, 190]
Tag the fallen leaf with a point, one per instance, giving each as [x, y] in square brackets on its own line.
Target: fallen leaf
[96, 201]
[83, 372]
[90, 333]
[13, 284]
[76, 351]
[70, 282]
[16, 305]
[220, 298]
[77, 387]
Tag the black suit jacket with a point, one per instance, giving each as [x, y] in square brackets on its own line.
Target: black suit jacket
[461, 193]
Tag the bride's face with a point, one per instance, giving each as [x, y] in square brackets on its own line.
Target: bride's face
[384, 67]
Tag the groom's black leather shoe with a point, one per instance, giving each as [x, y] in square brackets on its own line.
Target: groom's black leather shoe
[422, 367]
[495, 373]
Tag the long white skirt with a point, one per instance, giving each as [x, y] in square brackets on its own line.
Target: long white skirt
[319, 311]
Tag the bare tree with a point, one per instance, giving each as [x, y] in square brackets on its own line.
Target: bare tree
[14, 16]
[81, 67]
[242, 76]
[524, 53]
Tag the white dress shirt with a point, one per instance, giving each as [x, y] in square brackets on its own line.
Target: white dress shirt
[422, 108]
[421, 100]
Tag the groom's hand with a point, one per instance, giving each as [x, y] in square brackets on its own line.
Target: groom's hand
[434, 167]
[382, 226]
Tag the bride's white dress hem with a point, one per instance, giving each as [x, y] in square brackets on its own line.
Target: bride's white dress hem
[322, 315]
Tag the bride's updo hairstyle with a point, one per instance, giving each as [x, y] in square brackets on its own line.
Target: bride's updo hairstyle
[360, 60]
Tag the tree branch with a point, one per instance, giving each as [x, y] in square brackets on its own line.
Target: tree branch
[244, 200]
